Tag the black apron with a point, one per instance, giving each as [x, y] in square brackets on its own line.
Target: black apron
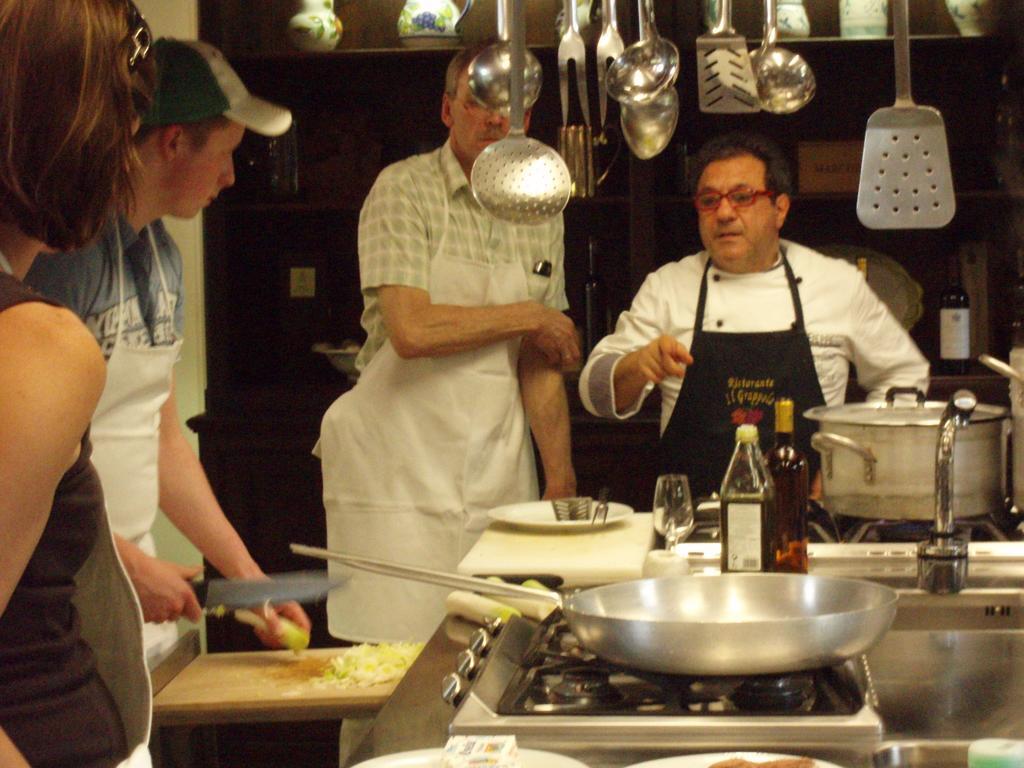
[734, 379]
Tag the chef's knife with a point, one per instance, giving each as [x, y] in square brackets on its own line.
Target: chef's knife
[297, 586]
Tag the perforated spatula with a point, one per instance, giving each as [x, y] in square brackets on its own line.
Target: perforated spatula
[725, 79]
[905, 179]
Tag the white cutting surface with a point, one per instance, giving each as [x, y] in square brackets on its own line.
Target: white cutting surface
[615, 553]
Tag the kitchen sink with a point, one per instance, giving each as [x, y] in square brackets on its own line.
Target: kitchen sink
[982, 609]
[921, 754]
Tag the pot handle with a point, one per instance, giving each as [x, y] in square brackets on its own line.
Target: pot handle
[824, 442]
[891, 392]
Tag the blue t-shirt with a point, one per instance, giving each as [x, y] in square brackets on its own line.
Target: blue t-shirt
[86, 280]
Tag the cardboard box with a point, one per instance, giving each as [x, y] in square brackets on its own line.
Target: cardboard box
[828, 166]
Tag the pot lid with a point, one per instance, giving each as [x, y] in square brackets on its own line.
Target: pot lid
[880, 413]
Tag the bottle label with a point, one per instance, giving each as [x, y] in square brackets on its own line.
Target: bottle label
[744, 537]
[954, 334]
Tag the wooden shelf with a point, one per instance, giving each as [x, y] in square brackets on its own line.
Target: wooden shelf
[293, 206]
[599, 200]
[353, 205]
[988, 195]
[549, 51]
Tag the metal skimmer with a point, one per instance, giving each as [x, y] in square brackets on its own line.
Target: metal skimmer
[519, 179]
[905, 179]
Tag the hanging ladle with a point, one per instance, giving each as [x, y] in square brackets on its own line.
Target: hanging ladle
[519, 179]
[648, 127]
[645, 68]
[489, 70]
[785, 82]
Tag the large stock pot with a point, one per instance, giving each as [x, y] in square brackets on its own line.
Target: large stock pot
[878, 458]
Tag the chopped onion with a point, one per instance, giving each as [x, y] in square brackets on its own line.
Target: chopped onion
[364, 665]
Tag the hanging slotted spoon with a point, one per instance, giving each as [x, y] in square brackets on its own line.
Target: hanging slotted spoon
[725, 79]
[905, 179]
[520, 179]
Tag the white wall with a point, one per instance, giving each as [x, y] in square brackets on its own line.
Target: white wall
[180, 18]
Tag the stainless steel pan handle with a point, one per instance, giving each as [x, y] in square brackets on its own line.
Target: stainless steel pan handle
[385, 568]
[824, 442]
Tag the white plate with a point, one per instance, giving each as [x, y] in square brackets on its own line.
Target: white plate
[888, 279]
[540, 516]
[710, 758]
[431, 758]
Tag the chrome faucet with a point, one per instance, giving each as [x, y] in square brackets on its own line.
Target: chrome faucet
[942, 559]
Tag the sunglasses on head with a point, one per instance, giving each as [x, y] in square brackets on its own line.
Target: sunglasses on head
[140, 39]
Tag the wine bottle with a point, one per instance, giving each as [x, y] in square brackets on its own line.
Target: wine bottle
[594, 304]
[954, 325]
[790, 474]
[748, 498]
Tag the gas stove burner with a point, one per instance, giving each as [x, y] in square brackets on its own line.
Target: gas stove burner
[857, 531]
[784, 693]
[584, 687]
[546, 680]
[602, 705]
[707, 690]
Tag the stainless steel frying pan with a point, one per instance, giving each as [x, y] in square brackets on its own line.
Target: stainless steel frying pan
[734, 624]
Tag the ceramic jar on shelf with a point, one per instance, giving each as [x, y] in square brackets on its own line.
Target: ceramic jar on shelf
[973, 17]
[431, 22]
[315, 27]
[584, 10]
[792, 19]
[863, 18]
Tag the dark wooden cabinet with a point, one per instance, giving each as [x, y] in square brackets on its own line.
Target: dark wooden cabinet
[372, 102]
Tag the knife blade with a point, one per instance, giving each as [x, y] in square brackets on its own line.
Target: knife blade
[297, 586]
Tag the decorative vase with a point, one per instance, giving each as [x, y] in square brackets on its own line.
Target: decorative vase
[431, 22]
[584, 9]
[710, 14]
[315, 27]
[863, 18]
[972, 17]
[792, 19]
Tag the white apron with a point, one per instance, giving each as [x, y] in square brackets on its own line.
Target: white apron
[126, 436]
[415, 455]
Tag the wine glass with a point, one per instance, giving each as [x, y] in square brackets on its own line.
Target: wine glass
[673, 509]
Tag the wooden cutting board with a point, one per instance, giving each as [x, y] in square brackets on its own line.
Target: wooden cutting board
[612, 554]
[261, 686]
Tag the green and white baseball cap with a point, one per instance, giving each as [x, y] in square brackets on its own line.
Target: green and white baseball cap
[195, 82]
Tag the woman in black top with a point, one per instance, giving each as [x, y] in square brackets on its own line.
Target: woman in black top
[72, 74]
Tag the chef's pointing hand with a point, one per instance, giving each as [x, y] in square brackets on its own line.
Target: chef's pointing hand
[663, 357]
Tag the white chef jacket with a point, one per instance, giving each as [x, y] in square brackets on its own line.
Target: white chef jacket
[845, 320]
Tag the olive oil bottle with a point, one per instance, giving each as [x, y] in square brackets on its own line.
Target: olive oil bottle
[748, 500]
[790, 474]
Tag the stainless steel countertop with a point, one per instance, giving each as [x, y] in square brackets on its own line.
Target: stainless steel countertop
[946, 685]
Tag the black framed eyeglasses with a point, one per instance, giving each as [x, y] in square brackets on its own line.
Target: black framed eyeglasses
[140, 38]
[707, 201]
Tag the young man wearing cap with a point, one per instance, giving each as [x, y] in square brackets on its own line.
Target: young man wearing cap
[127, 287]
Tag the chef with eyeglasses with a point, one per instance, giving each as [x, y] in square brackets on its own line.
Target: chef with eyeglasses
[750, 318]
